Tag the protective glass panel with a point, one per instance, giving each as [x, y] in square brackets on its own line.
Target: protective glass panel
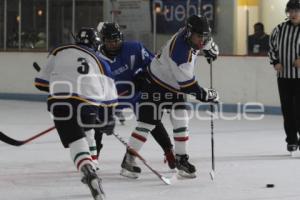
[12, 24]
[88, 13]
[60, 22]
[33, 34]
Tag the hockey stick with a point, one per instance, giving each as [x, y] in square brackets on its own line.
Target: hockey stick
[212, 173]
[134, 152]
[14, 142]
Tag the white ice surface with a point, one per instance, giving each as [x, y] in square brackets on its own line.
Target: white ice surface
[249, 155]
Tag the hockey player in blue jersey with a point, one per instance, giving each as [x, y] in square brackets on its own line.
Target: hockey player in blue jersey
[127, 59]
[80, 86]
[169, 76]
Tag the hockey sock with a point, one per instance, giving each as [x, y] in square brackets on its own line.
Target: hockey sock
[80, 153]
[139, 135]
[92, 143]
[180, 139]
[179, 119]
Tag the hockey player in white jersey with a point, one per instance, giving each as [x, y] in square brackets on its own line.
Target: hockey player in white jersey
[170, 75]
[81, 89]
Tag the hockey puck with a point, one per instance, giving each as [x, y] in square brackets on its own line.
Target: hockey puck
[270, 185]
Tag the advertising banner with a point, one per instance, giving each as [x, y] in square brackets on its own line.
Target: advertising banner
[171, 14]
[133, 16]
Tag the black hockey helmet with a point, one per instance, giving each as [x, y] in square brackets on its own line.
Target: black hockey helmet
[89, 37]
[197, 24]
[292, 5]
[111, 31]
[111, 37]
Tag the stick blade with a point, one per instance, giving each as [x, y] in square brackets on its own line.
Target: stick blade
[166, 180]
[8, 140]
[212, 175]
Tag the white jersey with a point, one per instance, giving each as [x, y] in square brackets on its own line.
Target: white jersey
[173, 68]
[77, 72]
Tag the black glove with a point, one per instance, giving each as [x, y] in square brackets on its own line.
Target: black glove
[141, 79]
[105, 120]
[109, 127]
[209, 95]
[211, 51]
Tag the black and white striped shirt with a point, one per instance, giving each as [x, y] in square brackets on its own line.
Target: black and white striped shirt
[285, 49]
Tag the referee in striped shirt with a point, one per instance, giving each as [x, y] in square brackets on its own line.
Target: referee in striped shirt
[285, 56]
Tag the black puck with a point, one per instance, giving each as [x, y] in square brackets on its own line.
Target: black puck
[270, 185]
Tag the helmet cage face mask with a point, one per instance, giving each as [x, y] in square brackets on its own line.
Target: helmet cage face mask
[112, 38]
[197, 41]
[112, 46]
[198, 25]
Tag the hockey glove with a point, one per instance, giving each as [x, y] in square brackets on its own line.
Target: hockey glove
[210, 95]
[140, 79]
[108, 129]
[211, 51]
[106, 120]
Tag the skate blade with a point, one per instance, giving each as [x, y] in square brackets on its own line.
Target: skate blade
[98, 190]
[129, 174]
[293, 154]
[173, 171]
[183, 174]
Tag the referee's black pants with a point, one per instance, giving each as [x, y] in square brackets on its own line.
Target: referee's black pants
[289, 92]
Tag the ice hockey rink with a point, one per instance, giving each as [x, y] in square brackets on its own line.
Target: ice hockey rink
[249, 155]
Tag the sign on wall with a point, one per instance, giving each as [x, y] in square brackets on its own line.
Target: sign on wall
[171, 14]
[133, 16]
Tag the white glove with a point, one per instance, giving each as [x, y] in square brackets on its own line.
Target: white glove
[210, 51]
[211, 95]
[99, 27]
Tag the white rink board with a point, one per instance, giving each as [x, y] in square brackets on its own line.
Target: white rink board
[238, 79]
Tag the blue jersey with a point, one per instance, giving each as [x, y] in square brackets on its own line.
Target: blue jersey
[132, 57]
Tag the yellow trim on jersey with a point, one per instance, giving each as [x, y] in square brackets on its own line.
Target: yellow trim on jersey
[159, 82]
[190, 56]
[172, 45]
[85, 100]
[41, 84]
[86, 51]
[188, 85]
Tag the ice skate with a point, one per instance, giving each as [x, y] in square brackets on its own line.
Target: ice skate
[292, 148]
[91, 179]
[185, 169]
[129, 167]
